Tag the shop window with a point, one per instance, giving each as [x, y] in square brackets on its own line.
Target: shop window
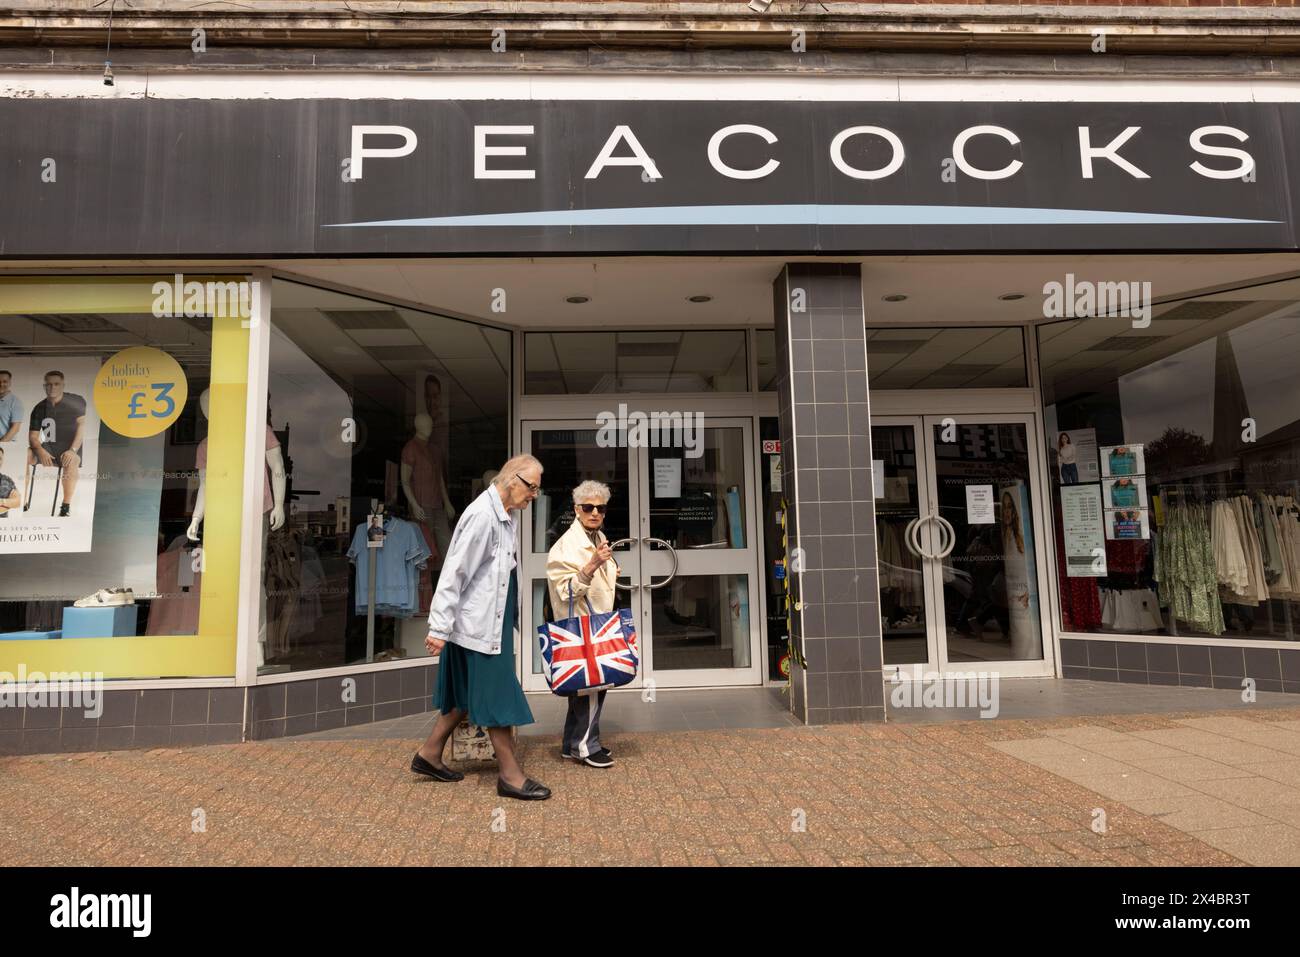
[369, 405]
[959, 357]
[1175, 463]
[586, 363]
[112, 392]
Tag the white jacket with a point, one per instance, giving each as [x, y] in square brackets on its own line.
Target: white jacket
[571, 551]
[470, 602]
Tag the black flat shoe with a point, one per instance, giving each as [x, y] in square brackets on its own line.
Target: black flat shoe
[421, 766]
[531, 791]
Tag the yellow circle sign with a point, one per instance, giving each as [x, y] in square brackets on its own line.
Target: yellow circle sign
[140, 392]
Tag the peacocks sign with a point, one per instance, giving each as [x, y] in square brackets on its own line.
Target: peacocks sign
[267, 178]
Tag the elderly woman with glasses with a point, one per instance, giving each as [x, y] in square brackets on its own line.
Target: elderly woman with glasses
[581, 570]
[471, 624]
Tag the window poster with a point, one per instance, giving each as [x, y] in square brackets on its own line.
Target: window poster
[1076, 456]
[1129, 491]
[1082, 519]
[1118, 460]
[49, 455]
[1019, 567]
[1127, 524]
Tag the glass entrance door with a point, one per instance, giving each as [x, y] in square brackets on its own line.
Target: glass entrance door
[688, 561]
[962, 586]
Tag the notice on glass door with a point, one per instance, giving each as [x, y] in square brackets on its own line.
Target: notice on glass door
[979, 505]
[1083, 524]
[668, 478]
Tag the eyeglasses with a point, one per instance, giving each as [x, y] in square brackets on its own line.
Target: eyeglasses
[589, 508]
[531, 487]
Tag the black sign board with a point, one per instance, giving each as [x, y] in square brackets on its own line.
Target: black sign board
[267, 178]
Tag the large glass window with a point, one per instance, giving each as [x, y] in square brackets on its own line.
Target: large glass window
[112, 392]
[697, 360]
[369, 405]
[1175, 462]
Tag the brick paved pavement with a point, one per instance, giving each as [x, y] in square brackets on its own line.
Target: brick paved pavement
[879, 794]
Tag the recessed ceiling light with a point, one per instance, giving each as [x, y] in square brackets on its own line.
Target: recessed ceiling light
[699, 298]
[896, 297]
[1011, 296]
[578, 300]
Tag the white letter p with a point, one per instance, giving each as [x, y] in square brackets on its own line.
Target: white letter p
[359, 151]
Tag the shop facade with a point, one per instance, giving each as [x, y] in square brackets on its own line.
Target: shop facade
[888, 380]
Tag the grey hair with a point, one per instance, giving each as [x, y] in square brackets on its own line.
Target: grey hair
[589, 490]
[514, 466]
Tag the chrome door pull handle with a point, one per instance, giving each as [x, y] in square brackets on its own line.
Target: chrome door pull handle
[950, 533]
[910, 537]
[618, 584]
[651, 586]
[916, 537]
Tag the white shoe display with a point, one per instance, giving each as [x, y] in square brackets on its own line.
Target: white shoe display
[106, 598]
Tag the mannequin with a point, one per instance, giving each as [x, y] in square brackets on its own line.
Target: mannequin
[272, 508]
[424, 486]
[274, 463]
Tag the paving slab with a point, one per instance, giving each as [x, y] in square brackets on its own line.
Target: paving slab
[1267, 845]
[1225, 783]
[936, 794]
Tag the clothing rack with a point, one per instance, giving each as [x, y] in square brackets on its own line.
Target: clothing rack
[1207, 492]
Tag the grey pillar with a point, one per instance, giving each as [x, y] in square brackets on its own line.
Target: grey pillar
[825, 424]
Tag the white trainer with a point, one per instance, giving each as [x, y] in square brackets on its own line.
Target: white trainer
[106, 598]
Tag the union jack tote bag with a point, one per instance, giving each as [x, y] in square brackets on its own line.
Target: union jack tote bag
[589, 652]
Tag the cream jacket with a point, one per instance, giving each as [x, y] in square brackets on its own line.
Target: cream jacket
[565, 561]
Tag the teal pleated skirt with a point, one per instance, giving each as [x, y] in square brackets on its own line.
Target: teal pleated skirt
[484, 686]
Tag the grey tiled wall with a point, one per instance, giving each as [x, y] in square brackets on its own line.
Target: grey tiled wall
[130, 719]
[826, 451]
[188, 716]
[297, 707]
[1188, 666]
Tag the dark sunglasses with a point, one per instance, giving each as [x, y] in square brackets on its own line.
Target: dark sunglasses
[531, 486]
[589, 508]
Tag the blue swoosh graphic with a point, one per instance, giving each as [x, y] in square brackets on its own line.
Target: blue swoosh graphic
[816, 215]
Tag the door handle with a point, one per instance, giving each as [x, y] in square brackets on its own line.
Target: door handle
[916, 536]
[949, 532]
[618, 584]
[913, 535]
[910, 538]
[651, 586]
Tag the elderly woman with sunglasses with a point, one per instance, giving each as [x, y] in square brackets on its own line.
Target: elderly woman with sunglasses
[581, 569]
